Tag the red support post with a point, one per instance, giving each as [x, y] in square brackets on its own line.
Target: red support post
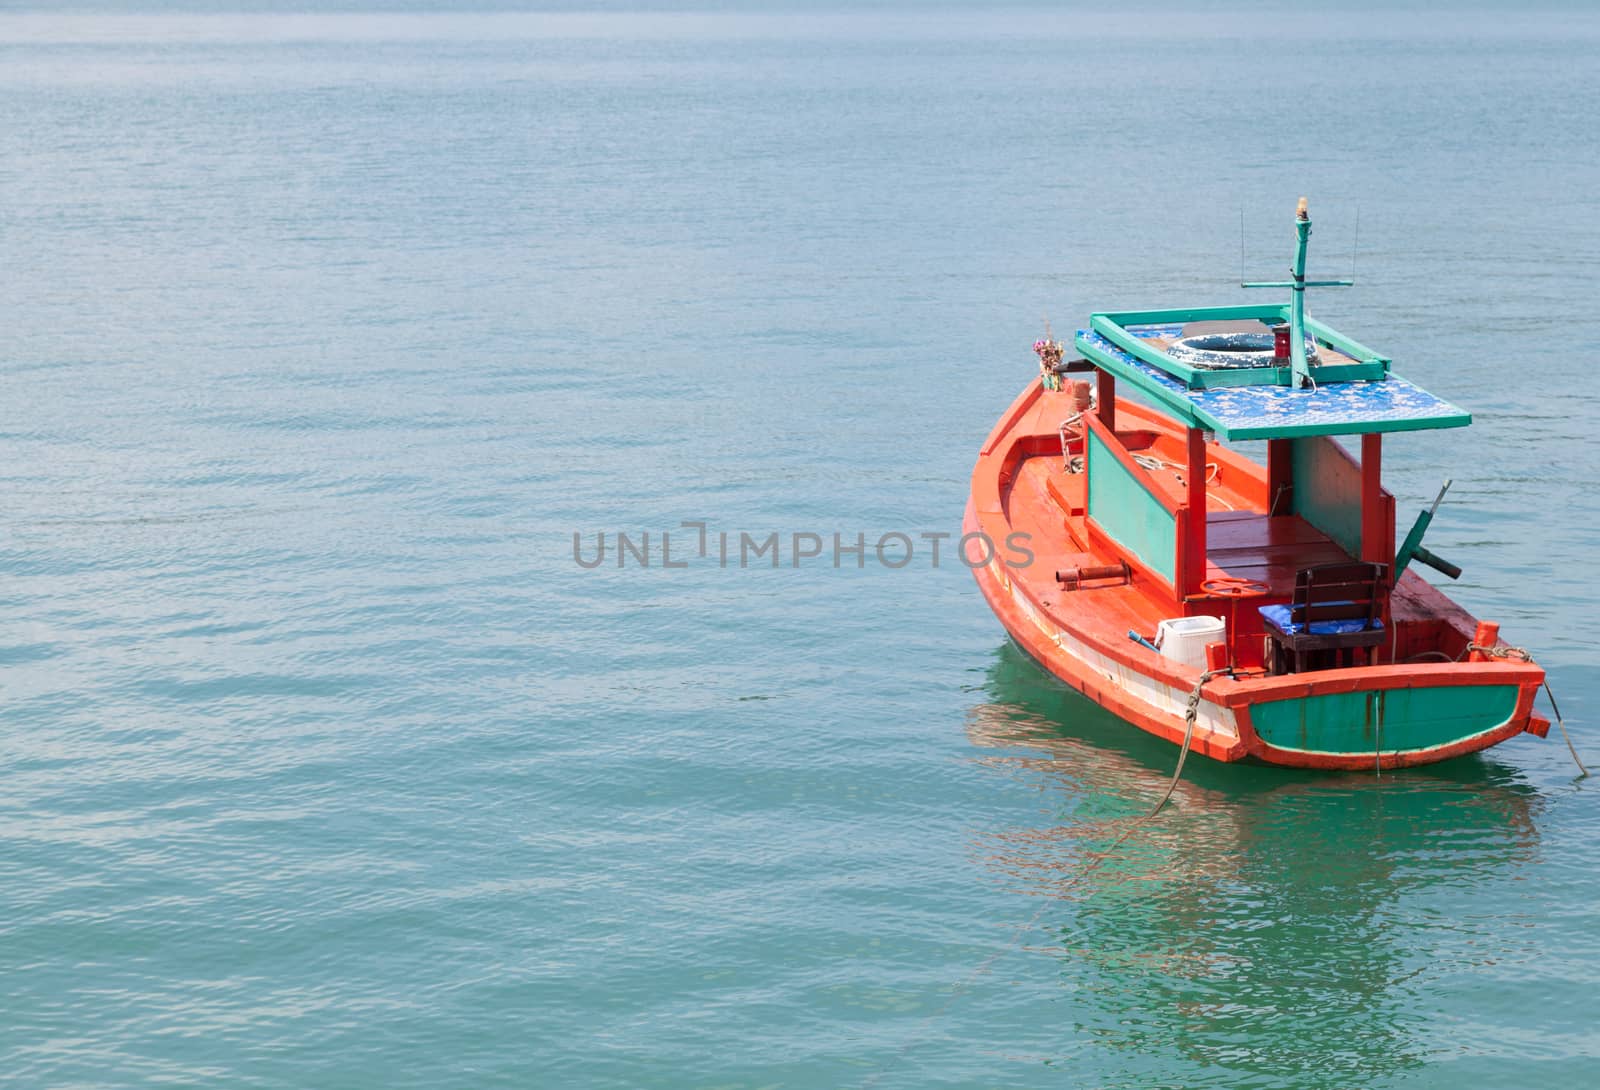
[1280, 477]
[1195, 480]
[1180, 568]
[1374, 534]
[1105, 394]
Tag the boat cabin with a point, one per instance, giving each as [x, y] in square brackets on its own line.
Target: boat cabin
[1304, 554]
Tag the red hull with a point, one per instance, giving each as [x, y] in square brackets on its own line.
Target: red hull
[1081, 635]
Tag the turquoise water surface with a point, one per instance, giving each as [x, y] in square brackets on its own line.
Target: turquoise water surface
[326, 765]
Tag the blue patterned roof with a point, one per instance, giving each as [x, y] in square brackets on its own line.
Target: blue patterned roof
[1271, 412]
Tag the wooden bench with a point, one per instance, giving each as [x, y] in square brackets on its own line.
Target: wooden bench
[1336, 612]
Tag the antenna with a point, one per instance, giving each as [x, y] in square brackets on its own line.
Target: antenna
[1355, 237]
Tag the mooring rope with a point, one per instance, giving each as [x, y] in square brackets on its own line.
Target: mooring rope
[1190, 715]
[1522, 654]
[1554, 707]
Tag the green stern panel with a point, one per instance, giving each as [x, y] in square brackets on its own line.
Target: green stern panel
[1393, 719]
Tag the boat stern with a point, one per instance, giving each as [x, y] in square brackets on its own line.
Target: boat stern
[1388, 717]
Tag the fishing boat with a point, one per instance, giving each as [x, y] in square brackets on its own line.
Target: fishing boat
[1250, 612]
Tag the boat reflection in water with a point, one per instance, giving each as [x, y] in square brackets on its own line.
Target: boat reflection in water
[1271, 922]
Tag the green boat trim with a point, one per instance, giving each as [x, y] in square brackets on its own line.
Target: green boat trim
[1271, 411]
[1393, 721]
[1123, 329]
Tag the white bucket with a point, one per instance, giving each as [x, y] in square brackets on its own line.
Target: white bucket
[1184, 639]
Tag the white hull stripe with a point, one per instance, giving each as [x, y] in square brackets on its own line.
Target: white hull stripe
[1159, 698]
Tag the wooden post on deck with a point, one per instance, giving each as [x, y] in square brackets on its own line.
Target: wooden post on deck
[1374, 535]
[1195, 481]
[1105, 395]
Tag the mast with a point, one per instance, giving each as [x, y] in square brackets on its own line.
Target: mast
[1301, 375]
[1300, 370]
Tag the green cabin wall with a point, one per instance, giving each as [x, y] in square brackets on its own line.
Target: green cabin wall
[1327, 490]
[1121, 505]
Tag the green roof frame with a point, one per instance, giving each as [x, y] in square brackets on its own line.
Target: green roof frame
[1209, 408]
[1112, 325]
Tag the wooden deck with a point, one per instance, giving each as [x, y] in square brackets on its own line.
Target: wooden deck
[1248, 545]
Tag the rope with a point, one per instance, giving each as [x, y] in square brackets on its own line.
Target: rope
[1190, 715]
[1522, 654]
[1068, 459]
[1377, 733]
[1150, 463]
[1564, 735]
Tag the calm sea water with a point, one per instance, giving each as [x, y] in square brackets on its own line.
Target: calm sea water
[322, 764]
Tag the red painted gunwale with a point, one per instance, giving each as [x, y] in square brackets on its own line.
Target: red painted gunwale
[1018, 485]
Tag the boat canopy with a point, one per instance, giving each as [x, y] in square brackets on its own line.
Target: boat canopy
[1263, 371]
[1213, 368]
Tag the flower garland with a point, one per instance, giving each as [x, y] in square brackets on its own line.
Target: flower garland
[1050, 352]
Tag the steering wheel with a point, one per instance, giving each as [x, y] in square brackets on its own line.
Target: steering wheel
[1228, 586]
